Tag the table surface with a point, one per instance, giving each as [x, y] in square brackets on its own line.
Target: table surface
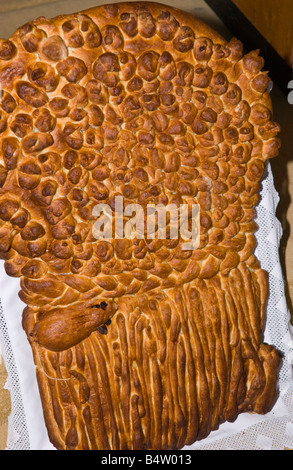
[14, 13]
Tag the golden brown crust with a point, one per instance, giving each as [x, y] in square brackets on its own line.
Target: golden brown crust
[139, 344]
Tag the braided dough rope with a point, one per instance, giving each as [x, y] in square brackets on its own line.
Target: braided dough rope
[144, 101]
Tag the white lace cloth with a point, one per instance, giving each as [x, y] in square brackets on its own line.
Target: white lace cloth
[250, 432]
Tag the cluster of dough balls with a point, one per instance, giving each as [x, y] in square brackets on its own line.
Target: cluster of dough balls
[143, 108]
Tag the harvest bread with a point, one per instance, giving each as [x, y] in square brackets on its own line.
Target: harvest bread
[138, 344]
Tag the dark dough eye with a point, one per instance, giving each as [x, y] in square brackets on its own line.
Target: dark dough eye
[103, 330]
[103, 305]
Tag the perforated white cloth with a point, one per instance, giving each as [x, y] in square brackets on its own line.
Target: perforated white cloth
[250, 432]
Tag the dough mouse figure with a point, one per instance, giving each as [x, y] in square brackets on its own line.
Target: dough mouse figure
[138, 342]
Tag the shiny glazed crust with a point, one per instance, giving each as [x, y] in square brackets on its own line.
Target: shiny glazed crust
[138, 344]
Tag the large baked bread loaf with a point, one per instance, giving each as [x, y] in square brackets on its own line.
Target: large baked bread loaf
[138, 343]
